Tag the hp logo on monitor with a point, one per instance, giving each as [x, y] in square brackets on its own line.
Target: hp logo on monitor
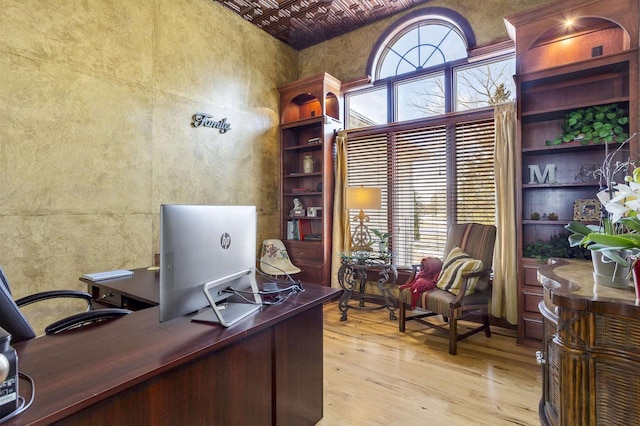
[225, 241]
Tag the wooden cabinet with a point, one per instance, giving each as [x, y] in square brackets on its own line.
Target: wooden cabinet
[310, 116]
[561, 69]
[530, 294]
[590, 354]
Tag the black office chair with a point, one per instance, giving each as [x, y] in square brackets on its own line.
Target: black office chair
[15, 323]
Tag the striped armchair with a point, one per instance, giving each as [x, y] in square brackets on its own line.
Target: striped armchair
[454, 297]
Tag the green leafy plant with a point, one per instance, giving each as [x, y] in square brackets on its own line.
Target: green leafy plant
[596, 124]
[557, 246]
[384, 239]
[382, 236]
[609, 240]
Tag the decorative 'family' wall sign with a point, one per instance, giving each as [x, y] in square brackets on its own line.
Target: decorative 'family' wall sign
[200, 119]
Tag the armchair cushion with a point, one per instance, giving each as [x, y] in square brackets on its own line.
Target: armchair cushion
[457, 264]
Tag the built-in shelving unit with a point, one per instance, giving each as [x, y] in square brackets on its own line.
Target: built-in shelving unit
[310, 116]
[560, 69]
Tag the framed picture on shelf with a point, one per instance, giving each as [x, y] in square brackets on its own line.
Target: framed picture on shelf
[586, 210]
[314, 211]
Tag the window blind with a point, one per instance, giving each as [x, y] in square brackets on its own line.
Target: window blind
[368, 165]
[475, 184]
[431, 175]
[419, 176]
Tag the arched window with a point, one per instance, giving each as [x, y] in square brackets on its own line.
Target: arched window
[408, 135]
[429, 42]
[427, 64]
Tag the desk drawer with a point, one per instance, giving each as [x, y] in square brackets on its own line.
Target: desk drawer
[531, 273]
[531, 300]
[532, 327]
[106, 297]
[301, 250]
[310, 272]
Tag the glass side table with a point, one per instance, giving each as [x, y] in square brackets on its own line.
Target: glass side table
[353, 275]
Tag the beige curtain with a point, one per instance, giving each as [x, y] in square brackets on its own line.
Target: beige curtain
[341, 231]
[504, 301]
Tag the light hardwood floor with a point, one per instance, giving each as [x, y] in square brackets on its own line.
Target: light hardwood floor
[375, 375]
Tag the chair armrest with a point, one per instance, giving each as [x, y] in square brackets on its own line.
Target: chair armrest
[485, 273]
[414, 271]
[479, 273]
[54, 294]
[465, 281]
[83, 318]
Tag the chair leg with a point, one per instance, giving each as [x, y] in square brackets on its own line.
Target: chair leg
[485, 321]
[402, 317]
[453, 335]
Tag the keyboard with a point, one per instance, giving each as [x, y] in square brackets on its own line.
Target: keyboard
[108, 275]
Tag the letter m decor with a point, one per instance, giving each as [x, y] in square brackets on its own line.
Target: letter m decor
[536, 176]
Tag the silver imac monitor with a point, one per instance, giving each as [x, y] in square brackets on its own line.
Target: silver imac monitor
[205, 250]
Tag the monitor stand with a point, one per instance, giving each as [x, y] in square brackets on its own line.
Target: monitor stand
[226, 314]
[223, 312]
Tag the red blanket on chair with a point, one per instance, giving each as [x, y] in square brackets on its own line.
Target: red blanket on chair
[425, 279]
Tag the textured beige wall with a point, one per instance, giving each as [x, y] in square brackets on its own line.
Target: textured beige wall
[96, 106]
[346, 57]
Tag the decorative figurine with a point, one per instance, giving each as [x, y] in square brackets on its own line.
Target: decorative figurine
[298, 208]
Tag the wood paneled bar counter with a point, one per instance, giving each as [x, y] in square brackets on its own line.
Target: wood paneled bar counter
[591, 348]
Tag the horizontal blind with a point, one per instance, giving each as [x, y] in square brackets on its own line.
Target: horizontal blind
[368, 165]
[419, 179]
[432, 174]
[475, 184]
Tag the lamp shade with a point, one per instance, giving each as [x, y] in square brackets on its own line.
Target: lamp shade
[360, 197]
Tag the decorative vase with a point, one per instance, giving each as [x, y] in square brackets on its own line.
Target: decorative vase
[308, 163]
[608, 273]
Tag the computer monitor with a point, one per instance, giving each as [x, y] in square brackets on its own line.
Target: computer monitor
[206, 248]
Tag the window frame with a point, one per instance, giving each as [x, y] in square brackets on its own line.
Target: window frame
[452, 120]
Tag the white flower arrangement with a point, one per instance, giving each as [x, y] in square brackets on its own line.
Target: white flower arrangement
[619, 228]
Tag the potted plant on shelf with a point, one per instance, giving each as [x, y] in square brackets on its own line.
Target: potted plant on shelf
[615, 242]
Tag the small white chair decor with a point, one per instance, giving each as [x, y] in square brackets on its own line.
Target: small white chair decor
[274, 259]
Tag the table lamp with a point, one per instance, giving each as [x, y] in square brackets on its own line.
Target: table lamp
[361, 197]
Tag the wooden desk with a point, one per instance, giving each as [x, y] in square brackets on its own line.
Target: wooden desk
[138, 292]
[591, 349]
[266, 369]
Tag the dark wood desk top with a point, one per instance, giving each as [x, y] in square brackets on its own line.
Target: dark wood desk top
[143, 286]
[79, 368]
